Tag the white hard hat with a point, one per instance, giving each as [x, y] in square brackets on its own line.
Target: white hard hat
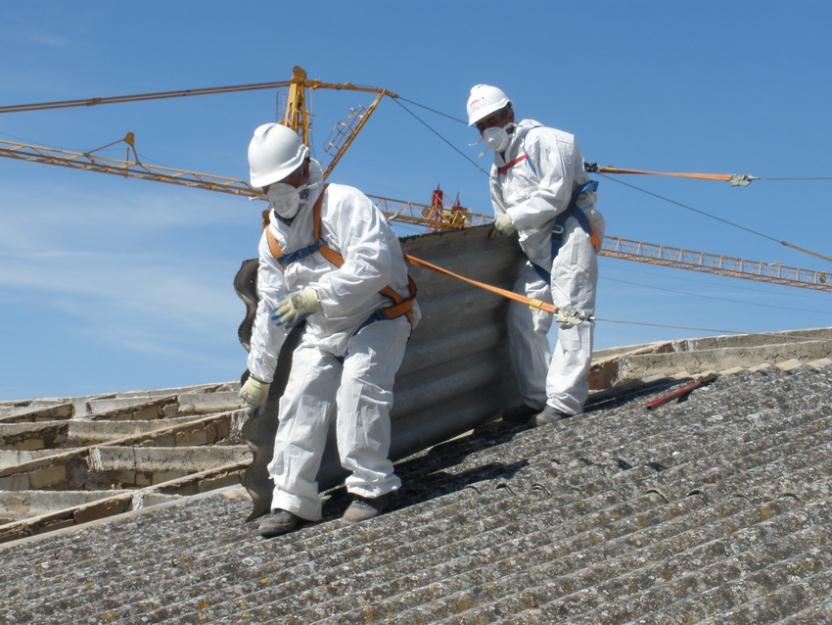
[483, 101]
[275, 151]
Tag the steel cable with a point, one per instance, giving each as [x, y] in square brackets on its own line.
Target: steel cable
[438, 134]
[432, 110]
[799, 337]
[720, 219]
[788, 178]
[719, 299]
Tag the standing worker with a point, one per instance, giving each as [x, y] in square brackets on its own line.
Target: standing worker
[539, 189]
[327, 256]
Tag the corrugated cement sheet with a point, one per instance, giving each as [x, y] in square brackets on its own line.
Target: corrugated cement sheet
[712, 511]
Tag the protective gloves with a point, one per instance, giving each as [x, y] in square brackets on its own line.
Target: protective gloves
[504, 226]
[298, 306]
[567, 318]
[254, 392]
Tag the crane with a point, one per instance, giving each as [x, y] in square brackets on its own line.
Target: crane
[402, 211]
[433, 216]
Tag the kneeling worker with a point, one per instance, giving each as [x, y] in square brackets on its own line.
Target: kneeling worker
[328, 257]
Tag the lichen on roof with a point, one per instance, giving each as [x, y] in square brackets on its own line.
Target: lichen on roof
[712, 510]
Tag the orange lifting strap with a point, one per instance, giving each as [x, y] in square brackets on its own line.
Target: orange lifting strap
[736, 180]
[531, 302]
[401, 305]
[694, 176]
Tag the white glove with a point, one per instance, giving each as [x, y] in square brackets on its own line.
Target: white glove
[567, 318]
[504, 226]
[254, 392]
[298, 306]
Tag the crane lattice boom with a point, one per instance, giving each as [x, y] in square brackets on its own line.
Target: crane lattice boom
[430, 217]
[402, 211]
[719, 264]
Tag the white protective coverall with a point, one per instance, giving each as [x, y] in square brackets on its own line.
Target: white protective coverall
[533, 191]
[337, 369]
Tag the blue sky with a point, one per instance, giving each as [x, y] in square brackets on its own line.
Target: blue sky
[109, 284]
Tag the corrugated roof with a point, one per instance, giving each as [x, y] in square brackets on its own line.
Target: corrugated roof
[713, 510]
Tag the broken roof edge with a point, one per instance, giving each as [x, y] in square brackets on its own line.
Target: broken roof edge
[708, 354]
[9, 404]
[599, 356]
[793, 334]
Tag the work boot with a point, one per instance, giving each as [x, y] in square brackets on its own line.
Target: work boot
[519, 415]
[547, 416]
[363, 508]
[277, 523]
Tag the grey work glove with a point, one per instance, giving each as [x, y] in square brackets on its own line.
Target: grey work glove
[298, 306]
[254, 392]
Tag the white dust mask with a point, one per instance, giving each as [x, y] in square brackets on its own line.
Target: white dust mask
[284, 199]
[496, 138]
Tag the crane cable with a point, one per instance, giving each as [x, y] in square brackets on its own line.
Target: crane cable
[720, 219]
[438, 134]
[715, 298]
[792, 178]
[797, 337]
[736, 180]
[744, 179]
[432, 110]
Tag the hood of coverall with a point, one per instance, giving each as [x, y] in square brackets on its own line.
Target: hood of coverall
[521, 128]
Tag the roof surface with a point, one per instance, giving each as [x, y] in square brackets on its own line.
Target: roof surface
[713, 510]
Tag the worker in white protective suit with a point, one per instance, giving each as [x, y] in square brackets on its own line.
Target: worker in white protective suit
[540, 191]
[327, 256]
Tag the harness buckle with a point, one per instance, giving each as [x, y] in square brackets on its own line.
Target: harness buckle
[557, 229]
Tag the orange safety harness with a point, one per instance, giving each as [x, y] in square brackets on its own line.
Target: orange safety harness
[402, 306]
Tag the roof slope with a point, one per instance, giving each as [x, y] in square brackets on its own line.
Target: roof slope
[714, 510]
[66, 461]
